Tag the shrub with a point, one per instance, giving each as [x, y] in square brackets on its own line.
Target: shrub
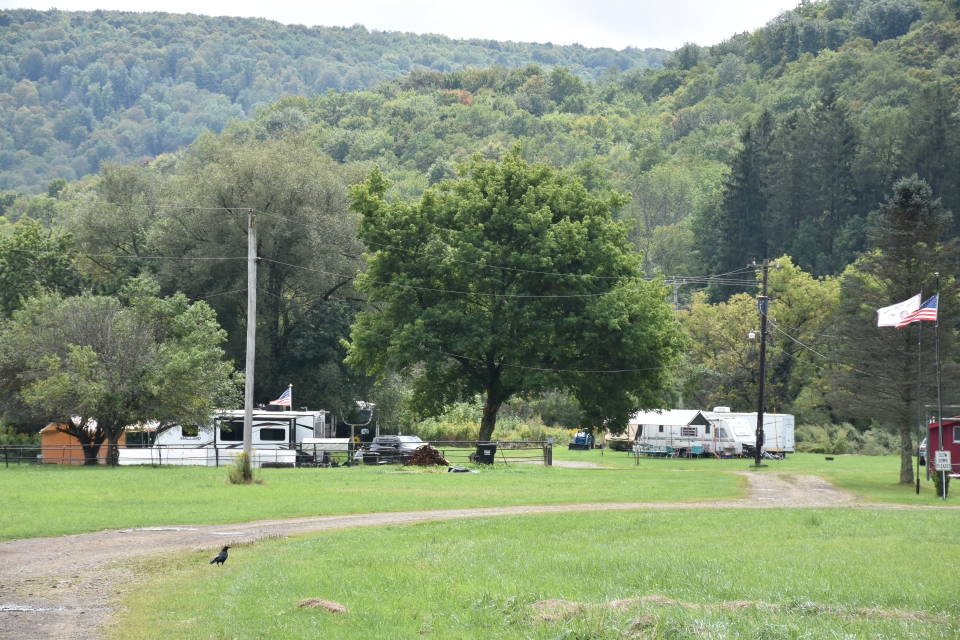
[832, 439]
[240, 471]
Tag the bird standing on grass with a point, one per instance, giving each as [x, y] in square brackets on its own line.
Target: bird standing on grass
[221, 557]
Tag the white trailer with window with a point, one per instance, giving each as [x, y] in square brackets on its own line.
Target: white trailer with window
[778, 428]
[678, 432]
[276, 435]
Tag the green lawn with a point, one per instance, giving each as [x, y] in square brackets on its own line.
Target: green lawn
[52, 500]
[478, 578]
[873, 478]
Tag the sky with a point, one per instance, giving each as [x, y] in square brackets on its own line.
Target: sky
[593, 23]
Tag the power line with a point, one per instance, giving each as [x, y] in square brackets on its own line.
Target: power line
[503, 364]
[122, 256]
[466, 293]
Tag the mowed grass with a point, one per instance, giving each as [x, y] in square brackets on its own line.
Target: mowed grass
[803, 573]
[873, 478]
[52, 500]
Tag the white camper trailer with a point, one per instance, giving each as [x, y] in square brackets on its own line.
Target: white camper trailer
[778, 428]
[678, 432]
[276, 435]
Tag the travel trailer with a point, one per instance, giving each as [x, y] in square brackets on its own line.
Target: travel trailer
[778, 428]
[276, 435]
[679, 432]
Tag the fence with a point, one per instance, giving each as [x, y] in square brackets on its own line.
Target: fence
[456, 452]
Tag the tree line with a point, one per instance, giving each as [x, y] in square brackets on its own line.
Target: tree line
[79, 88]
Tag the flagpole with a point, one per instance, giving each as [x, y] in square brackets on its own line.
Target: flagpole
[919, 391]
[290, 388]
[936, 328]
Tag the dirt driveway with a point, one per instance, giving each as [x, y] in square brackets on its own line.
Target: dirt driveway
[67, 587]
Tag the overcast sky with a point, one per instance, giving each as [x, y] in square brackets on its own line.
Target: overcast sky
[593, 23]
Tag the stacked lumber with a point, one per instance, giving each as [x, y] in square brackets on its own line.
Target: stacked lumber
[427, 456]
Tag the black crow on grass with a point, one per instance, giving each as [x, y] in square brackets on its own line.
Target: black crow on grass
[221, 557]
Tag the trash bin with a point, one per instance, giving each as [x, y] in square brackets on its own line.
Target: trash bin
[486, 452]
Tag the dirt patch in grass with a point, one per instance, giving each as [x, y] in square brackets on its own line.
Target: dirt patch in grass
[320, 603]
[554, 610]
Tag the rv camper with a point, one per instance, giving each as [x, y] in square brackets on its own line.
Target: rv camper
[276, 435]
[678, 432]
[778, 428]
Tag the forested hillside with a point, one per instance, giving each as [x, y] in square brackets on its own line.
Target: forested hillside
[80, 88]
[780, 144]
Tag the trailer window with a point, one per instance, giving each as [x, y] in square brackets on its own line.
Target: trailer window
[956, 434]
[273, 435]
[190, 430]
[231, 431]
[661, 428]
[706, 429]
[688, 432]
[139, 439]
[721, 432]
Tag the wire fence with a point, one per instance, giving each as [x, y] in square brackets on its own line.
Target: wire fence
[310, 455]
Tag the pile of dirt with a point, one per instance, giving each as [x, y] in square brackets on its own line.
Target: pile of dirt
[320, 603]
[427, 456]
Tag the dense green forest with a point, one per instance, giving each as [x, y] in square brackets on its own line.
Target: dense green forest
[782, 143]
[80, 88]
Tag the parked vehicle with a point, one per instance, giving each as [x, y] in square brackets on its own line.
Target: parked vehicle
[583, 441]
[395, 448]
[923, 452]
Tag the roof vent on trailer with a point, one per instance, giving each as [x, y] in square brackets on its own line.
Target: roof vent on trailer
[721, 409]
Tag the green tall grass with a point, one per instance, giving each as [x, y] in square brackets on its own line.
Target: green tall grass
[52, 500]
[805, 573]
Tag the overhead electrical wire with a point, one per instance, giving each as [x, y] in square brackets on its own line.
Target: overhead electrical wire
[503, 364]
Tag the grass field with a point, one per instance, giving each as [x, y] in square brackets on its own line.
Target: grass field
[796, 574]
[873, 478]
[52, 500]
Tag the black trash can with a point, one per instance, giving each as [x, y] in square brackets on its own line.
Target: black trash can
[486, 452]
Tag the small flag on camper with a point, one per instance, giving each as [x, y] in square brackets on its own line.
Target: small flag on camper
[284, 399]
[927, 311]
[892, 315]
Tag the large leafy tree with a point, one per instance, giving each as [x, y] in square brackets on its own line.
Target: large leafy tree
[34, 261]
[96, 364]
[876, 374]
[195, 210]
[723, 364]
[511, 281]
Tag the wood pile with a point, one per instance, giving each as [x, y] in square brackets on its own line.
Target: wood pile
[427, 456]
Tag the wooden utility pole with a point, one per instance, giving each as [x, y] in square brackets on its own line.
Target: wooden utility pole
[763, 306]
[251, 336]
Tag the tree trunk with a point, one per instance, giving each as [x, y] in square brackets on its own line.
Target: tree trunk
[113, 452]
[906, 456]
[489, 421]
[91, 450]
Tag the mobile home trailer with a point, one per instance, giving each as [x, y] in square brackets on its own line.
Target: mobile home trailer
[778, 428]
[679, 431]
[275, 437]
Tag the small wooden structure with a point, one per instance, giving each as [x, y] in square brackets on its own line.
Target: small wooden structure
[951, 442]
[59, 447]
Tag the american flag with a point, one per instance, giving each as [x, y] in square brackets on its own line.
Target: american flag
[284, 399]
[927, 311]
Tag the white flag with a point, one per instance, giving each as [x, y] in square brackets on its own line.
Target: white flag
[892, 315]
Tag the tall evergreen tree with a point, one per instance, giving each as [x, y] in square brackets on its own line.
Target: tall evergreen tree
[932, 144]
[876, 375]
[742, 221]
